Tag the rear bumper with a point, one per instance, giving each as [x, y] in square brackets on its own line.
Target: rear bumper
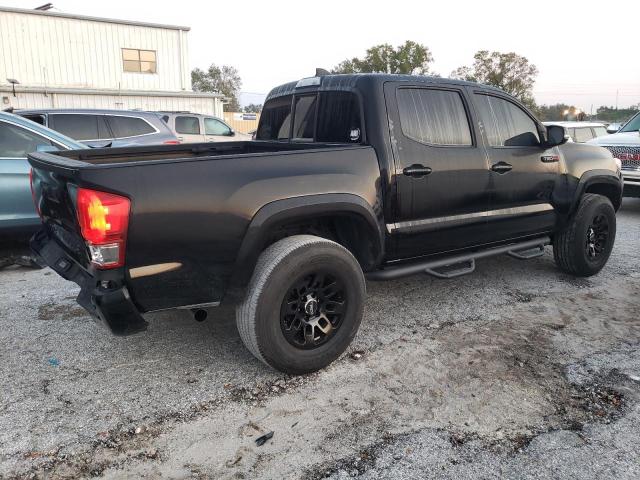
[102, 293]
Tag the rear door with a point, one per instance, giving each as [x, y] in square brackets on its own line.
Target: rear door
[440, 173]
[216, 130]
[523, 174]
[189, 129]
[90, 129]
[16, 205]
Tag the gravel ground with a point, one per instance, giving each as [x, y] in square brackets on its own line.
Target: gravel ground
[516, 371]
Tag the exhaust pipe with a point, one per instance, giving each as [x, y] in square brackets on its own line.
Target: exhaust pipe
[199, 315]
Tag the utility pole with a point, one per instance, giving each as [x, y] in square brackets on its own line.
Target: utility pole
[617, 99]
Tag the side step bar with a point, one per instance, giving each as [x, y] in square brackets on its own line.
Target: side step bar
[467, 261]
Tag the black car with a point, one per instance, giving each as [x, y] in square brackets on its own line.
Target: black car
[349, 176]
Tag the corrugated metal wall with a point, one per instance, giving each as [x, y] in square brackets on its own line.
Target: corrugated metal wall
[206, 106]
[49, 51]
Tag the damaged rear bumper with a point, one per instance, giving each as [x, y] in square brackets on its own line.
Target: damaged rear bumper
[102, 292]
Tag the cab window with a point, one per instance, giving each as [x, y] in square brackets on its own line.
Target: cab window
[332, 117]
[505, 123]
[434, 117]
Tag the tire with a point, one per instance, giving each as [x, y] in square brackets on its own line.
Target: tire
[581, 249]
[292, 285]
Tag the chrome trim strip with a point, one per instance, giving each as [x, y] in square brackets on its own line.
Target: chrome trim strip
[437, 222]
[149, 270]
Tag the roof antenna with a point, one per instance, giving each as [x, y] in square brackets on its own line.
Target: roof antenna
[321, 72]
[45, 7]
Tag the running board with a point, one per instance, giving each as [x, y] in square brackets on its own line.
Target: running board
[466, 262]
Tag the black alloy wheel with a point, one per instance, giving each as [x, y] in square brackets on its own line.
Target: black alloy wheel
[313, 309]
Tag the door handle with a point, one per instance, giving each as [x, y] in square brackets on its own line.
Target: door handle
[501, 167]
[417, 170]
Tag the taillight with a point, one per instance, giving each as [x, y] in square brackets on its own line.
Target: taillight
[103, 219]
[171, 142]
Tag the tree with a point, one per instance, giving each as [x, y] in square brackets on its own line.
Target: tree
[509, 71]
[253, 108]
[410, 58]
[554, 112]
[224, 80]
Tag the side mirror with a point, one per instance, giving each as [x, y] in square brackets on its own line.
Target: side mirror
[47, 148]
[556, 135]
[231, 132]
[613, 128]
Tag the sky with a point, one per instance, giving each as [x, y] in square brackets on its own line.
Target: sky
[586, 51]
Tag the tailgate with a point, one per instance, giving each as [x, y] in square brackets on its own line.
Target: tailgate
[60, 244]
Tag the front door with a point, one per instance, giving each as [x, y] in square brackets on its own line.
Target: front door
[523, 174]
[441, 173]
[217, 131]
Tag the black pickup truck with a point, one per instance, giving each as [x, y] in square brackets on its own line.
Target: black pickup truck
[350, 176]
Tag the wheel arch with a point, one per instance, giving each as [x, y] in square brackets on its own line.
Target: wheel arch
[601, 182]
[357, 228]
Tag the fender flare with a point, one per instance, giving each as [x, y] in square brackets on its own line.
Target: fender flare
[299, 208]
[593, 177]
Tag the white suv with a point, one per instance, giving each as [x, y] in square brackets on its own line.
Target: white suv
[195, 128]
[625, 146]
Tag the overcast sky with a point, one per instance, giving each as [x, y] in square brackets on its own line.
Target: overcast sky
[585, 51]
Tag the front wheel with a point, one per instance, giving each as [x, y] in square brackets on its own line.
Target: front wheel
[303, 305]
[584, 247]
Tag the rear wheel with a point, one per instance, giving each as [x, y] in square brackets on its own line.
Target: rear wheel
[303, 305]
[584, 247]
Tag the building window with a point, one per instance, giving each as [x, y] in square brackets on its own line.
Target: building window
[141, 61]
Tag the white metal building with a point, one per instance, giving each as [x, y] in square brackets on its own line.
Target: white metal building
[70, 61]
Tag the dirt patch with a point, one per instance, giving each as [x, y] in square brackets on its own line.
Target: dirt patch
[58, 311]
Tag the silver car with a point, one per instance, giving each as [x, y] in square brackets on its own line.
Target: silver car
[194, 127]
[104, 128]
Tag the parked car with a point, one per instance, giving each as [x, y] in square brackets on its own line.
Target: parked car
[194, 128]
[388, 175]
[18, 137]
[105, 128]
[625, 146]
[581, 132]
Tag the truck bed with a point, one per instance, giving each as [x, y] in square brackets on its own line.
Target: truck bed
[192, 205]
[128, 155]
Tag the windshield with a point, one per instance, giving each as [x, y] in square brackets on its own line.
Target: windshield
[632, 125]
[332, 117]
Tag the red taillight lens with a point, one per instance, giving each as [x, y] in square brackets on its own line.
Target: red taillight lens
[103, 219]
[171, 142]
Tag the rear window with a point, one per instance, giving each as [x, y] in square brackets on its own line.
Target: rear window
[332, 117]
[80, 126]
[275, 120]
[129, 126]
[188, 125]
